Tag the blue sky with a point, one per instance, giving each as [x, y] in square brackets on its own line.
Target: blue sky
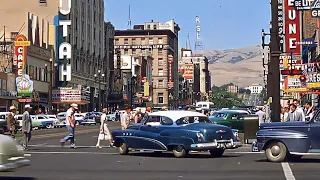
[224, 23]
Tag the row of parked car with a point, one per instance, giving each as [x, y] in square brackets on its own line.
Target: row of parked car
[41, 121]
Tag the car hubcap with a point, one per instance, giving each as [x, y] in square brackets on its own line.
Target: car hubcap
[275, 150]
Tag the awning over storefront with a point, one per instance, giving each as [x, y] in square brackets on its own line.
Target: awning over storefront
[71, 102]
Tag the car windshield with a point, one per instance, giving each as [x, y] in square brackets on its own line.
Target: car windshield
[220, 115]
[192, 119]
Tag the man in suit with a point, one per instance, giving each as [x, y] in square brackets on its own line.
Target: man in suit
[26, 125]
[307, 110]
[12, 121]
[294, 115]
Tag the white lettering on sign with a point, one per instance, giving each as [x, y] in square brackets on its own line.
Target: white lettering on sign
[65, 7]
[280, 22]
[20, 59]
[65, 49]
[313, 78]
[198, 29]
[292, 21]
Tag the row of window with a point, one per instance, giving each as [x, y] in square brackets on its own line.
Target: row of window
[143, 51]
[142, 41]
[36, 73]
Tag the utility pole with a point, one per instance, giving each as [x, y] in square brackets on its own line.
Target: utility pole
[274, 74]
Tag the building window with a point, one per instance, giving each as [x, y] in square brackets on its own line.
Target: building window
[154, 26]
[42, 2]
[126, 52]
[133, 41]
[148, 26]
[143, 41]
[160, 84]
[150, 40]
[116, 41]
[160, 61]
[160, 41]
[160, 98]
[1, 83]
[126, 42]
[36, 74]
[160, 72]
[134, 51]
[159, 52]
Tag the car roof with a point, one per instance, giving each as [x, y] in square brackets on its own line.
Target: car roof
[232, 111]
[175, 115]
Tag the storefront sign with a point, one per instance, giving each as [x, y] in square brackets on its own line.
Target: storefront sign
[315, 9]
[156, 46]
[69, 95]
[292, 28]
[20, 51]
[146, 89]
[170, 77]
[313, 80]
[24, 85]
[301, 5]
[293, 84]
[187, 70]
[281, 23]
[65, 49]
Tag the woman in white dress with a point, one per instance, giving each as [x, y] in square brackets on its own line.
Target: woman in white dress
[104, 133]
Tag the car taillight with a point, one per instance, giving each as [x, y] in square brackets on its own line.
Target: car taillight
[200, 136]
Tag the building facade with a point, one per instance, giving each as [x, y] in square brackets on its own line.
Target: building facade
[35, 60]
[161, 41]
[233, 89]
[255, 88]
[85, 34]
[195, 69]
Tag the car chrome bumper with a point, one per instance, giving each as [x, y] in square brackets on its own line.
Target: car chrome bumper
[20, 162]
[223, 144]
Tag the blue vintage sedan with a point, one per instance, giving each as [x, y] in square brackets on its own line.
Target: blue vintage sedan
[288, 140]
[176, 131]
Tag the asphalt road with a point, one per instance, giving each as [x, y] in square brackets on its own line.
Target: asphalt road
[52, 162]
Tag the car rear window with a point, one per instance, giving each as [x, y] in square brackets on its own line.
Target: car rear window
[193, 119]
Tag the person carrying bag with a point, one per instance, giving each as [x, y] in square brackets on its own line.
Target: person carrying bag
[104, 133]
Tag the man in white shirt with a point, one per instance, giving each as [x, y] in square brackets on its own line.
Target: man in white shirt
[262, 115]
[126, 118]
[299, 109]
[70, 124]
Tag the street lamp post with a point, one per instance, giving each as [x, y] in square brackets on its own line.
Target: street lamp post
[100, 77]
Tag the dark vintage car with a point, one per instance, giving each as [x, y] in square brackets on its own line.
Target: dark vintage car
[289, 140]
[176, 131]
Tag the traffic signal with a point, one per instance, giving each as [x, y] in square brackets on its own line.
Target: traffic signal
[291, 72]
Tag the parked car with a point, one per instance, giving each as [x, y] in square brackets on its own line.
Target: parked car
[176, 131]
[11, 154]
[230, 118]
[56, 121]
[3, 122]
[41, 121]
[111, 117]
[92, 118]
[289, 140]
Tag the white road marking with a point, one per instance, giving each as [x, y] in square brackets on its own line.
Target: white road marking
[27, 155]
[55, 146]
[95, 153]
[287, 171]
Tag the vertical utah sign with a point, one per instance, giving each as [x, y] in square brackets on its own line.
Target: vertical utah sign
[292, 28]
[65, 48]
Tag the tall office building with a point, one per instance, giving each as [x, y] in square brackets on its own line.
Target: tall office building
[161, 41]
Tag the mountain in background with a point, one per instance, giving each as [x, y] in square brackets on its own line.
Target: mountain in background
[240, 66]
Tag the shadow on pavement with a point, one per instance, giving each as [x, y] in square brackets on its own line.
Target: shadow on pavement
[170, 155]
[16, 178]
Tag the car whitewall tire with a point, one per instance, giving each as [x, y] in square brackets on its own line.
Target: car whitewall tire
[179, 152]
[276, 152]
[123, 149]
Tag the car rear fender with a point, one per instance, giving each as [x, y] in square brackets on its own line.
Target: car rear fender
[295, 141]
[180, 137]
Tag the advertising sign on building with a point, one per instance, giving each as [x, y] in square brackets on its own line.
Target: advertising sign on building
[170, 76]
[292, 28]
[313, 81]
[24, 85]
[64, 52]
[20, 53]
[315, 9]
[155, 46]
[302, 5]
[146, 89]
[188, 71]
[293, 84]
[68, 96]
